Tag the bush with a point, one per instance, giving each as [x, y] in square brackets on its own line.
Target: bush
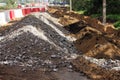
[10, 4]
[95, 6]
[117, 24]
[114, 16]
[2, 8]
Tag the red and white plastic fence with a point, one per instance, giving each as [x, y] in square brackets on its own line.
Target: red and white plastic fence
[9, 15]
[2, 18]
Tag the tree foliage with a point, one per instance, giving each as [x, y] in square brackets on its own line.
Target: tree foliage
[81, 4]
[1, 1]
[10, 3]
[95, 6]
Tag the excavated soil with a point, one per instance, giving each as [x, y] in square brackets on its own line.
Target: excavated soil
[94, 44]
[94, 71]
[32, 50]
[93, 40]
[66, 17]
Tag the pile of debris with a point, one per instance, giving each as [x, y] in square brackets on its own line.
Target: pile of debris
[67, 18]
[93, 38]
[39, 43]
[97, 42]
[95, 72]
[32, 43]
[36, 49]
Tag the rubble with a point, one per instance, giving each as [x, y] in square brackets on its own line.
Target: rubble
[35, 45]
[32, 39]
[107, 64]
[98, 44]
[93, 70]
[47, 43]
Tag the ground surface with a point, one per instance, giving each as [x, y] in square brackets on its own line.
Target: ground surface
[39, 48]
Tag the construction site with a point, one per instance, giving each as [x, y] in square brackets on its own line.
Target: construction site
[59, 45]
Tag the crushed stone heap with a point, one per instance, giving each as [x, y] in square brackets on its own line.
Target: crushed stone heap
[32, 43]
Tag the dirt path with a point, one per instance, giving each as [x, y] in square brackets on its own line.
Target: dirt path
[64, 74]
[20, 73]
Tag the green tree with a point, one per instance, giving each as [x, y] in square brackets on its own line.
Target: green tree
[1, 1]
[81, 4]
[95, 6]
[10, 3]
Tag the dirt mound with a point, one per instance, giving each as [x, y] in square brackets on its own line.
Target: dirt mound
[18, 24]
[32, 47]
[94, 71]
[67, 18]
[31, 39]
[57, 11]
[93, 43]
[94, 38]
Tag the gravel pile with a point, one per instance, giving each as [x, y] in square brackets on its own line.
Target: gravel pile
[105, 63]
[34, 44]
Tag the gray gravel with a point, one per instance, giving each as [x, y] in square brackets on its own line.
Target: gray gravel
[32, 43]
[105, 63]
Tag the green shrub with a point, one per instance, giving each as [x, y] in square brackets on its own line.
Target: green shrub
[117, 24]
[96, 6]
[95, 15]
[114, 16]
[2, 8]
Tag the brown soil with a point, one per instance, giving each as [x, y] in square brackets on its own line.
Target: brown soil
[57, 11]
[93, 38]
[61, 13]
[93, 71]
[94, 44]
[19, 73]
